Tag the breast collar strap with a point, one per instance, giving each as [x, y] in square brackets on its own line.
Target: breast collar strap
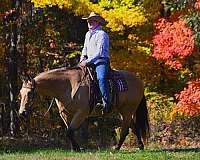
[32, 87]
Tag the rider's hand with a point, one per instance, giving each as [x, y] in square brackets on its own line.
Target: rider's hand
[83, 63]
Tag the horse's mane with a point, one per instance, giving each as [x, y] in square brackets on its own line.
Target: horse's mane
[57, 71]
[62, 69]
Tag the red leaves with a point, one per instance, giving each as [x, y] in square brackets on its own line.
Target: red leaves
[173, 43]
[52, 44]
[189, 99]
[197, 5]
[8, 14]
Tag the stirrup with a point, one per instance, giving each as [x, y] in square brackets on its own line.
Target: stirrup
[106, 109]
[100, 105]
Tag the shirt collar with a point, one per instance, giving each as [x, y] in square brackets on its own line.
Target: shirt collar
[95, 30]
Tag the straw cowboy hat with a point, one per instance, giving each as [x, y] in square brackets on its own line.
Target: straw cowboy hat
[95, 16]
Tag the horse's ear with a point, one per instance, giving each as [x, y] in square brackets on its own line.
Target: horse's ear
[24, 78]
[29, 78]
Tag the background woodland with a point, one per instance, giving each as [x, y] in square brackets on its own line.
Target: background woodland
[157, 40]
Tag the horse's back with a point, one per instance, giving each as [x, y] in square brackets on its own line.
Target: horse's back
[135, 88]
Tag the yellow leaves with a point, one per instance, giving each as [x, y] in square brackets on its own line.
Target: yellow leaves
[133, 17]
[115, 21]
[73, 55]
[42, 3]
[120, 18]
[173, 113]
[67, 4]
[153, 7]
[98, 9]
[132, 37]
[49, 32]
[55, 61]
[144, 49]
[81, 7]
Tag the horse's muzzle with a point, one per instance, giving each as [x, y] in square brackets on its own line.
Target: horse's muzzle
[24, 114]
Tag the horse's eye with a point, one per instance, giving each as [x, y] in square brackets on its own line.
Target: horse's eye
[29, 94]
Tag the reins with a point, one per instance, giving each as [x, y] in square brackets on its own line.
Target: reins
[51, 104]
[33, 89]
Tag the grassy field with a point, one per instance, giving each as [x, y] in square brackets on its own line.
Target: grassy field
[62, 154]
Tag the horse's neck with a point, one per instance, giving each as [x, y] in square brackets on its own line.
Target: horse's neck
[57, 83]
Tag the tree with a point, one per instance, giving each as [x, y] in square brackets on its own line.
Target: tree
[176, 43]
[173, 42]
[189, 99]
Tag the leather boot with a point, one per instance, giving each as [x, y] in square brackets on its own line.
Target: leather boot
[105, 108]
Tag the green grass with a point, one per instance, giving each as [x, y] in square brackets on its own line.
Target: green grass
[62, 154]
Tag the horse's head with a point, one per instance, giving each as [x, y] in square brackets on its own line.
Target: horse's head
[27, 94]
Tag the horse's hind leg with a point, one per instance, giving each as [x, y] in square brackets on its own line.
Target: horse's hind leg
[141, 123]
[124, 130]
[136, 131]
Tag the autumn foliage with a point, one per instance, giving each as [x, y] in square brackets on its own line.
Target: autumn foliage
[173, 43]
[189, 99]
[176, 39]
[197, 5]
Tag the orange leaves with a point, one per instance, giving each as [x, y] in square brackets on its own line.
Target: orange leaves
[197, 5]
[189, 99]
[173, 43]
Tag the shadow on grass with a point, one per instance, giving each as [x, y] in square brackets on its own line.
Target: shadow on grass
[16, 146]
[178, 150]
[27, 149]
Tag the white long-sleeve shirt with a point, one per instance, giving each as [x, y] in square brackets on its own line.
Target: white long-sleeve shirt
[96, 46]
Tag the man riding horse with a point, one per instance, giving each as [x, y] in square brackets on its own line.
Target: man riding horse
[71, 94]
[96, 51]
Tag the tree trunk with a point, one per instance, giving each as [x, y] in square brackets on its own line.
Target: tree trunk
[12, 66]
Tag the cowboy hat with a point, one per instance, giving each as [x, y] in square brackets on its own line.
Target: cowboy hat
[95, 16]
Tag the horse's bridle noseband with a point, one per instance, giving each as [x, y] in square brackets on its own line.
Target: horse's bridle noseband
[33, 91]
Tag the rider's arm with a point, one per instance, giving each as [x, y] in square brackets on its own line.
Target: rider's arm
[84, 50]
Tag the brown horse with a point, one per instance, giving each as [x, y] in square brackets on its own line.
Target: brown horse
[71, 95]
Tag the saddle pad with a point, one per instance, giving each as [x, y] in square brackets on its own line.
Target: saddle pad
[121, 85]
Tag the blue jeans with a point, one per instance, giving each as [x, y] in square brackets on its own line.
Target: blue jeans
[102, 70]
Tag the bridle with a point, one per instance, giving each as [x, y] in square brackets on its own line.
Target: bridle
[23, 118]
[32, 95]
[32, 87]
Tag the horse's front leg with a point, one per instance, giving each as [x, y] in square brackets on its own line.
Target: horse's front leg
[70, 131]
[76, 121]
[64, 114]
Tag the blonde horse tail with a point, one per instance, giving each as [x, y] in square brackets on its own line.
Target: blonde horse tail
[142, 120]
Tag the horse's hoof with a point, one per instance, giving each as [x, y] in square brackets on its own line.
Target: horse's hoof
[76, 150]
[116, 148]
[82, 149]
[141, 147]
